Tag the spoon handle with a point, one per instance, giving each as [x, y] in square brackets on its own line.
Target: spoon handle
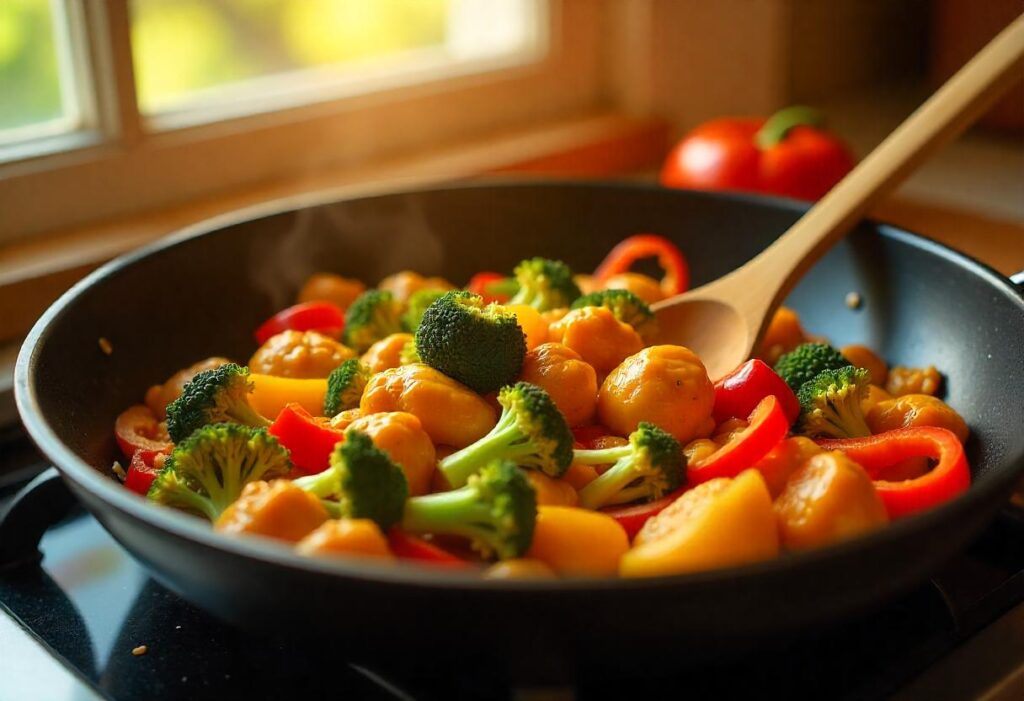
[941, 118]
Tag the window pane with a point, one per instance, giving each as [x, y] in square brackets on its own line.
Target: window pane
[193, 53]
[30, 70]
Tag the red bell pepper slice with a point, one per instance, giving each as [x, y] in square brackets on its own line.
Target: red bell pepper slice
[490, 286]
[768, 427]
[309, 440]
[621, 258]
[138, 430]
[409, 547]
[949, 478]
[141, 474]
[323, 317]
[739, 392]
[632, 518]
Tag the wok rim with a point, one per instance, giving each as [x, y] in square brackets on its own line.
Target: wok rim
[273, 553]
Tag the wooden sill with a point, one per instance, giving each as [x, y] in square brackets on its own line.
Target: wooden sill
[35, 272]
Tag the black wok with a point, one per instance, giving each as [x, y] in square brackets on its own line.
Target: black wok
[202, 293]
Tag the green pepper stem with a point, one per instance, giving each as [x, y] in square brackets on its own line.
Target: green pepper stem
[780, 123]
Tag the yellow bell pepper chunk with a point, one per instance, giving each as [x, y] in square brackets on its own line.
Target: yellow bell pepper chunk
[551, 491]
[577, 542]
[270, 393]
[827, 499]
[531, 322]
[519, 568]
[356, 537]
[720, 523]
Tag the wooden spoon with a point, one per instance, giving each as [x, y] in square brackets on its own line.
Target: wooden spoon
[723, 321]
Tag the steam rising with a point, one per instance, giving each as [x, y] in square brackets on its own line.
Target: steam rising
[366, 239]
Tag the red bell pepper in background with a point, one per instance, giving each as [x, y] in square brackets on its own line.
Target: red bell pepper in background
[139, 431]
[787, 154]
[490, 286]
[739, 392]
[409, 547]
[949, 478]
[141, 474]
[621, 258]
[323, 317]
[768, 427]
[309, 440]
[633, 518]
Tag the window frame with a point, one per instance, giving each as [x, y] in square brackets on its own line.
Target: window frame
[118, 164]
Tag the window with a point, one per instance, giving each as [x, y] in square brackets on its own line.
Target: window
[128, 105]
[194, 59]
[36, 71]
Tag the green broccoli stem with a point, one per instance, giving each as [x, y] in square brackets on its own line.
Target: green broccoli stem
[603, 489]
[846, 418]
[244, 414]
[525, 295]
[191, 501]
[223, 491]
[322, 484]
[538, 299]
[333, 508]
[218, 495]
[605, 456]
[462, 464]
[458, 512]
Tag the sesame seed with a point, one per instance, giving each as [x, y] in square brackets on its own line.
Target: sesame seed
[140, 650]
[854, 300]
[106, 346]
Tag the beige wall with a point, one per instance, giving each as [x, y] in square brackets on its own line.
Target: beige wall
[836, 45]
[690, 60]
[699, 59]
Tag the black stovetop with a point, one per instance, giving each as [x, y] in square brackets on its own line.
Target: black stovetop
[89, 604]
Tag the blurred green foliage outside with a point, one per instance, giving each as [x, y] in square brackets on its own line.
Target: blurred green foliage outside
[181, 46]
[29, 84]
[185, 45]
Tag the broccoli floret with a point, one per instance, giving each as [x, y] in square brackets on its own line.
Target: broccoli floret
[373, 315]
[480, 346]
[417, 305]
[496, 510]
[650, 466]
[205, 473]
[531, 432]
[361, 482]
[830, 404]
[806, 362]
[345, 386]
[544, 284]
[626, 306]
[213, 396]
